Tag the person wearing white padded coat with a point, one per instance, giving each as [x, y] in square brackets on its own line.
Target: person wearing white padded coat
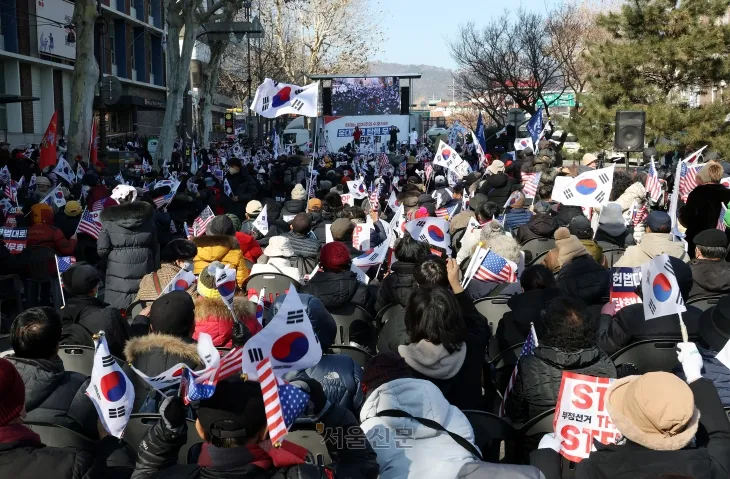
[425, 452]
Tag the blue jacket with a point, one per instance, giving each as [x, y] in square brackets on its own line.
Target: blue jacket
[338, 374]
[516, 217]
[716, 372]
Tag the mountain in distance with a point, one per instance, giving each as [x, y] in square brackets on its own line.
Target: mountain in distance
[434, 81]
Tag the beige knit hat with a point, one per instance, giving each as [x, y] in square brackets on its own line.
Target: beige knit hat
[656, 410]
[569, 246]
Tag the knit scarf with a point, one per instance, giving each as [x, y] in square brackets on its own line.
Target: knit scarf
[433, 360]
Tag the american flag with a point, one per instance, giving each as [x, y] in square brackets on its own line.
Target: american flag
[283, 402]
[11, 191]
[653, 187]
[64, 263]
[497, 269]
[383, 162]
[721, 219]
[531, 182]
[90, 224]
[146, 187]
[640, 215]
[195, 387]
[446, 213]
[98, 205]
[161, 201]
[201, 222]
[231, 364]
[687, 179]
[374, 197]
[527, 349]
[429, 170]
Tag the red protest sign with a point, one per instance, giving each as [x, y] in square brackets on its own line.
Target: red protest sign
[624, 282]
[581, 416]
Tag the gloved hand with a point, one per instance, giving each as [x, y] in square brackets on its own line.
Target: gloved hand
[691, 361]
[316, 393]
[172, 411]
[550, 441]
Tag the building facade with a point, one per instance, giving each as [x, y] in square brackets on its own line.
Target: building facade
[37, 53]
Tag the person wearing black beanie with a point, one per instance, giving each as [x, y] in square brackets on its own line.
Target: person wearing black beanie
[84, 314]
[178, 254]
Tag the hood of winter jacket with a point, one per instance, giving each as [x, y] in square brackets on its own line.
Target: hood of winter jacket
[528, 305]
[161, 344]
[293, 207]
[569, 360]
[497, 181]
[567, 213]
[129, 216]
[401, 281]
[543, 224]
[656, 244]
[594, 249]
[420, 398]
[213, 317]
[215, 248]
[40, 376]
[433, 360]
[712, 276]
[41, 213]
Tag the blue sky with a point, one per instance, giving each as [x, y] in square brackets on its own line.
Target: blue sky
[417, 30]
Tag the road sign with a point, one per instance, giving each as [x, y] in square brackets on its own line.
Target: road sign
[553, 99]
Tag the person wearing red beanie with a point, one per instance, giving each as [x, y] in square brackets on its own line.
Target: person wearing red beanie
[24, 456]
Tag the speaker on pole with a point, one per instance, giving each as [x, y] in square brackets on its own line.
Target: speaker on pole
[630, 126]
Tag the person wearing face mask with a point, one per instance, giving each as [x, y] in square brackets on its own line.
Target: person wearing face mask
[244, 187]
[177, 255]
[85, 315]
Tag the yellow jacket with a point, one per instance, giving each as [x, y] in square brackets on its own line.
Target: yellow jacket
[220, 248]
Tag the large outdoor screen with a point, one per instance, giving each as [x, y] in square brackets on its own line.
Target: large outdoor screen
[366, 96]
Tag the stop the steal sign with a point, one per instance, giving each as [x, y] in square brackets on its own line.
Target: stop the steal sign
[581, 416]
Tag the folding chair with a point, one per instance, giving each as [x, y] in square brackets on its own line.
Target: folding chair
[649, 355]
[537, 249]
[53, 435]
[351, 314]
[135, 308]
[79, 359]
[493, 308]
[304, 434]
[276, 284]
[359, 355]
[704, 302]
[490, 431]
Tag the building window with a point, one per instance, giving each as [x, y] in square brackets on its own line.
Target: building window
[113, 46]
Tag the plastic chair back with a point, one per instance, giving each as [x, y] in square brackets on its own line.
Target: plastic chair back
[704, 302]
[359, 355]
[53, 435]
[135, 308]
[490, 431]
[345, 316]
[649, 355]
[493, 308]
[276, 284]
[538, 248]
[305, 435]
[79, 359]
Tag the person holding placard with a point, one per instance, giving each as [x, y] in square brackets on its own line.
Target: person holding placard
[658, 416]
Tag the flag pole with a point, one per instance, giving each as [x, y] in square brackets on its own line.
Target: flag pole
[77, 226]
[60, 282]
[471, 264]
[683, 328]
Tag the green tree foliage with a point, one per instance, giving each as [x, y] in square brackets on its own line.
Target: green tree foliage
[657, 51]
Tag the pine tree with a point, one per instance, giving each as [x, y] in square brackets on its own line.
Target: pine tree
[658, 50]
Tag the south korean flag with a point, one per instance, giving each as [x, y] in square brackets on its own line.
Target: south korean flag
[288, 340]
[590, 189]
[660, 291]
[110, 390]
[446, 157]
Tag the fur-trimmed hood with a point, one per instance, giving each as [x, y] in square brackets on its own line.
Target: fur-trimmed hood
[130, 215]
[208, 308]
[137, 347]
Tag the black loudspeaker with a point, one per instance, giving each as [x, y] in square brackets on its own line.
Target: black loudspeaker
[327, 101]
[630, 127]
[405, 100]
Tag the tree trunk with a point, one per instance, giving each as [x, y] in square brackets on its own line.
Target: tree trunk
[208, 83]
[178, 68]
[85, 77]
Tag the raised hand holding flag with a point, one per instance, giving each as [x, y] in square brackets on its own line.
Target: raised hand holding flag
[225, 283]
[661, 294]
[261, 222]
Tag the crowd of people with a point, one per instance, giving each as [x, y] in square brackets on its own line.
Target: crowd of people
[406, 410]
[366, 96]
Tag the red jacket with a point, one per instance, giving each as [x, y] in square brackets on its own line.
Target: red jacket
[43, 233]
[249, 246]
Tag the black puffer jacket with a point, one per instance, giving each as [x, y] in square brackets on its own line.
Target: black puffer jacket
[585, 279]
[539, 376]
[525, 308]
[128, 242]
[84, 316]
[709, 277]
[67, 224]
[629, 326]
[154, 354]
[23, 456]
[621, 240]
[542, 225]
[566, 213]
[339, 289]
[396, 288]
[290, 209]
[498, 188]
[56, 396]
